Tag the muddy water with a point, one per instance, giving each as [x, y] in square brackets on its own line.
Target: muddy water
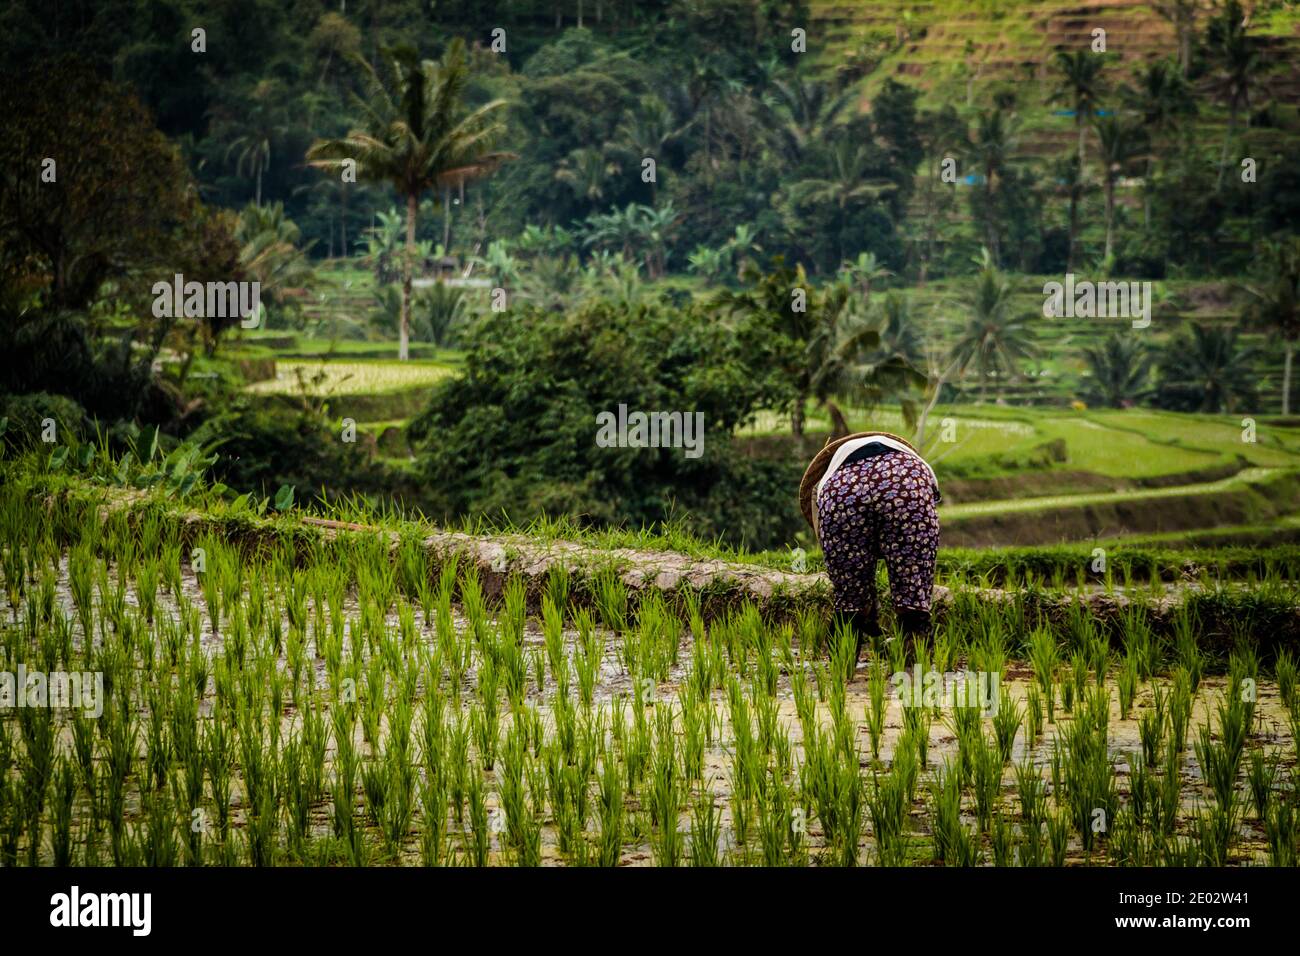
[1271, 730]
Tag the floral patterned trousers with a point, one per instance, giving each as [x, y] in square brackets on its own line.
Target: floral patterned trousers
[880, 507]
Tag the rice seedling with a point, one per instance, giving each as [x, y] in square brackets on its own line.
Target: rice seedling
[484, 717]
[522, 831]
[1243, 665]
[896, 650]
[945, 796]
[775, 833]
[1215, 828]
[1168, 792]
[906, 766]
[478, 837]
[1002, 840]
[988, 656]
[590, 652]
[965, 724]
[916, 724]
[1218, 766]
[1006, 723]
[1031, 791]
[1058, 838]
[1262, 771]
[1180, 851]
[1033, 715]
[1030, 850]
[1151, 726]
[1280, 829]
[987, 778]
[829, 779]
[1284, 671]
[1044, 658]
[706, 828]
[1234, 715]
[1126, 683]
[693, 719]
[610, 810]
[433, 807]
[611, 600]
[1079, 665]
[1188, 651]
[65, 792]
[1129, 843]
[875, 710]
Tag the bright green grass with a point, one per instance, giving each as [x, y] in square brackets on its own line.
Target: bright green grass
[1244, 477]
[378, 427]
[1274, 446]
[1132, 443]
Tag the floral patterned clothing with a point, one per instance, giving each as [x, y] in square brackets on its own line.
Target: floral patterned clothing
[880, 507]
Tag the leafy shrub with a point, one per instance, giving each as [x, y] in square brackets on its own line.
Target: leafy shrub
[516, 435]
[26, 413]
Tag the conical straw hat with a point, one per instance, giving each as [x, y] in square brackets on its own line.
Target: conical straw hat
[821, 461]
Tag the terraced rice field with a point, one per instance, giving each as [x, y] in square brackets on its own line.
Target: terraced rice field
[283, 696]
[350, 378]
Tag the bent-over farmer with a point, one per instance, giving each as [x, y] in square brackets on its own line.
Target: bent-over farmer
[871, 496]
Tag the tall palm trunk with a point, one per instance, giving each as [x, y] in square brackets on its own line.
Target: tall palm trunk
[1286, 377]
[343, 222]
[1228, 137]
[404, 332]
[1083, 134]
[1146, 191]
[797, 421]
[1110, 214]
[1074, 229]
[446, 220]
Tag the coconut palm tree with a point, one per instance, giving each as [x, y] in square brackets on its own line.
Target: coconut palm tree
[802, 113]
[1069, 183]
[1121, 141]
[1274, 303]
[382, 243]
[418, 136]
[1162, 97]
[1235, 62]
[993, 339]
[1182, 14]
[1079, 84]
[995, 140]
[621, 229]
[847, 183]
[585, 171]
[851, 360]
[269, 251]
[900, 334]
[1207, 371]
[656, 227]
[1120, 372]
[645, 132]
[862, 272]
